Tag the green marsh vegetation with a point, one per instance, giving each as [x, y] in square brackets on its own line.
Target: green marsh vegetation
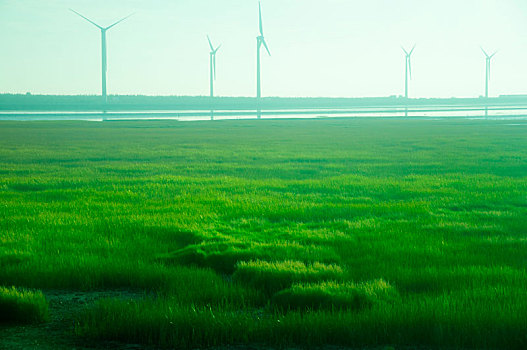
[19, 306]
[311, 232]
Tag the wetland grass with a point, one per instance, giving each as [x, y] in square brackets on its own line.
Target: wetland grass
[358, 233]
[21, 306]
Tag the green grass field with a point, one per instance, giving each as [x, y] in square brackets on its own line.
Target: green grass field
[357, 233]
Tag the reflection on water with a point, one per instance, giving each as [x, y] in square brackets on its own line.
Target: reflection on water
[509, 112]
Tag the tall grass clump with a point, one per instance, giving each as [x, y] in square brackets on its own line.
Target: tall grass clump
[223, 256]
[21, 306]
[271, 277]
[164, 323]
[332, 295]
[485, 319]
[205, 287]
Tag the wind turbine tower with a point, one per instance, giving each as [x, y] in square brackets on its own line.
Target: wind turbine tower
[104, 64]
[488, 59]
[260, 40]
[213, 52]
[408, 69]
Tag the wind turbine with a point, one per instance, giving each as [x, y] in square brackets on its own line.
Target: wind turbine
[260, 40]
[104, 65]
[488, 59]
[408, 68]
[213, 52]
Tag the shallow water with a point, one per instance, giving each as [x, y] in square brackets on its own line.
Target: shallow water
[428, 113]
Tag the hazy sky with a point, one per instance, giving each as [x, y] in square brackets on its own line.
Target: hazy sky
[319, 47]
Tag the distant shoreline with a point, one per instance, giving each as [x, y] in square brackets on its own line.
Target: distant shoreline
[73, 103]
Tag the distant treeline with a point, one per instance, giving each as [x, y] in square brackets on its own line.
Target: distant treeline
[28, 102]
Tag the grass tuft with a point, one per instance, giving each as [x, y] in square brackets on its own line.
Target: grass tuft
[223, 256]
[163, 323]
[271, 277]
[335, 296]
[21, 306]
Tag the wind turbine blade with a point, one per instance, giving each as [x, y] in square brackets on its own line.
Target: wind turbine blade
[413, 48]
[265, 45]
[485, 52]
[410, 67]
[494, 54]
[406, 52]
[489, 69]
[260, 15]
[89, 20]
[217, 49]
[119, 21]
[210, 44]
